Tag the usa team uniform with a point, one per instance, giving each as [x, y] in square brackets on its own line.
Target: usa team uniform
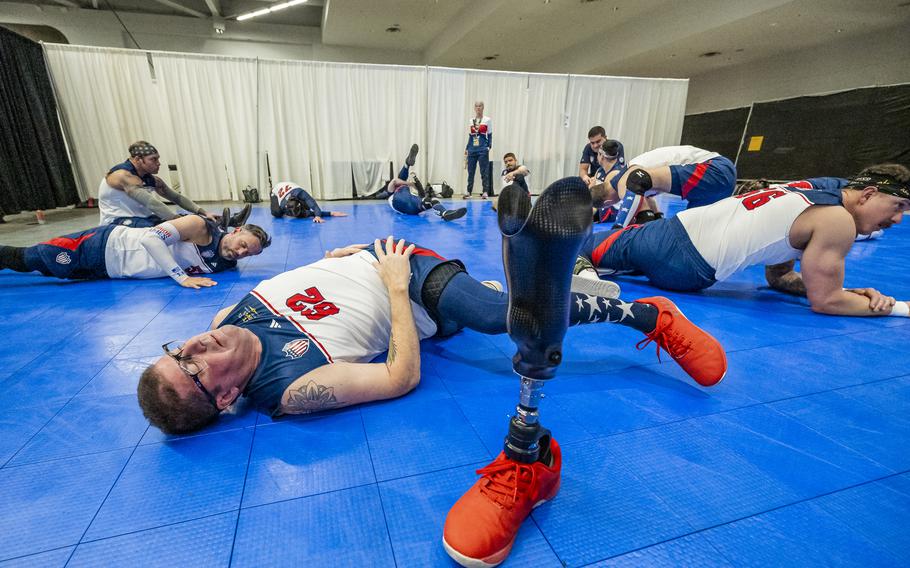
[699, 176]
[332, 310]
[702, 245]
[114, 251]
[480, 140]
[285, 190]
[118, 208]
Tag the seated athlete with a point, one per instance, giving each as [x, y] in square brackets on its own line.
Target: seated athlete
[131, 194]
[403, 201]
[513, 173]
[291, 200]
[184, 249]
[302, 341]
[775, 227]
[701, 177]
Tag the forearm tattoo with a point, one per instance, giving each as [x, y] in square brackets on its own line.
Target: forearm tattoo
[310, 398]
[393, 352]
[782, 277]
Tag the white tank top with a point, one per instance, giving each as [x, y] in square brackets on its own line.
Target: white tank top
[282, 190]
[742, 231]
[672, 156]
[113, 203]
[125, 257]
[358, 319]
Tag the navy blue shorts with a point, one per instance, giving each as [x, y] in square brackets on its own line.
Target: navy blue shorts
[704, 183]
[423, 261]
[78, 256]
[406, 203]
[661, 249]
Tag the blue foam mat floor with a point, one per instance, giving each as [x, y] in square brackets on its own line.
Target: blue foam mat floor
[801, 456]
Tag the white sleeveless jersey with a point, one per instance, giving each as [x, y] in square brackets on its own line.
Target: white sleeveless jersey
[342, 304]
[125, 257]
[672, 156]
[742, 231]
[113, 203]
[282, 190]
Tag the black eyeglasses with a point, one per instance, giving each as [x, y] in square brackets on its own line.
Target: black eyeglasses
[191, 367]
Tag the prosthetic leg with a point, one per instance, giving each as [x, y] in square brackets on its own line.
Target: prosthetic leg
[539, 248]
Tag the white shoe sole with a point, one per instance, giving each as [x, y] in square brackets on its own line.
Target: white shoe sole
[602, 288]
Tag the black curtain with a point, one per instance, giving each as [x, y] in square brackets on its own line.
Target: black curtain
[718, 131]
[829, 135]
[35, 172]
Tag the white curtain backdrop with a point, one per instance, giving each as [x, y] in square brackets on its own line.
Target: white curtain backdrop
[199, 111]
[326, 124]
[334, 126]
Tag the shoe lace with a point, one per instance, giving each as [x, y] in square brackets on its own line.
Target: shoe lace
[664, 335]
[505, 480]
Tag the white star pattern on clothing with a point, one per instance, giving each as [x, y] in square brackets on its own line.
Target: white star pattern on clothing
[592, 307]
[626, 308]
[580, 302]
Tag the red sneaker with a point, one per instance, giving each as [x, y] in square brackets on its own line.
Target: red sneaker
[696, 350]
[481, 527]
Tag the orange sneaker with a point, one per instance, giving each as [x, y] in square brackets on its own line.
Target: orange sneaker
[481, 527]
[696, 351]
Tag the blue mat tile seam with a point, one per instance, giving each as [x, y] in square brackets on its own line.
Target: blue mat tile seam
[727, 410]
[758, 514]
[385, 518]
[103, 501]
[246, 476]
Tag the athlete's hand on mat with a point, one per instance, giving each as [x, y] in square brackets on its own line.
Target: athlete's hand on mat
[344, 251]
[197, 282]
[318, 220]
[393, 264]
[878, 302]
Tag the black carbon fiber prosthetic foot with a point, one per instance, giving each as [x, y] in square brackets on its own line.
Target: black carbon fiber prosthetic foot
[539, 248]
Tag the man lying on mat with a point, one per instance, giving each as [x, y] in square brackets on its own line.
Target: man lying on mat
[184, 249]
[301, 342]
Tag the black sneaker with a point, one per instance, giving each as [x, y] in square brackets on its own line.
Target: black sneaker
[225, 218]
[421, 192]
[453, 214]
[412, 156]
[239, 218]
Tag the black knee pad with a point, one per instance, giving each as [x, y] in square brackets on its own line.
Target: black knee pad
[540, 245]
[639, 181]
[433, 286]
[647, 216]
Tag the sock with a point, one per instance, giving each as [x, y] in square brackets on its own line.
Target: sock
[13, 258]
[595, 309]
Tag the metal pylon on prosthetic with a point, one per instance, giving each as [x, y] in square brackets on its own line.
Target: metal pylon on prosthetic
[539, 248]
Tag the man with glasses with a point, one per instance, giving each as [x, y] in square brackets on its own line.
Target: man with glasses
[302, 341]
[186, 249]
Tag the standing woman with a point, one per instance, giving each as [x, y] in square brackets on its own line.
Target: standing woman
[480, 142]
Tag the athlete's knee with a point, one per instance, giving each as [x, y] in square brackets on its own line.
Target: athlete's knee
[639, 181]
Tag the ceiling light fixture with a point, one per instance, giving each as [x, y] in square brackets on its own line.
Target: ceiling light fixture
[270, 9]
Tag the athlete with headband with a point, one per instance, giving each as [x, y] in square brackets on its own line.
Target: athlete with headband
[131, 194]
[774, 226]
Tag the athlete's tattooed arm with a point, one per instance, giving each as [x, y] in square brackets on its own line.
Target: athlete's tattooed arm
[784, 278]
[310, 397]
